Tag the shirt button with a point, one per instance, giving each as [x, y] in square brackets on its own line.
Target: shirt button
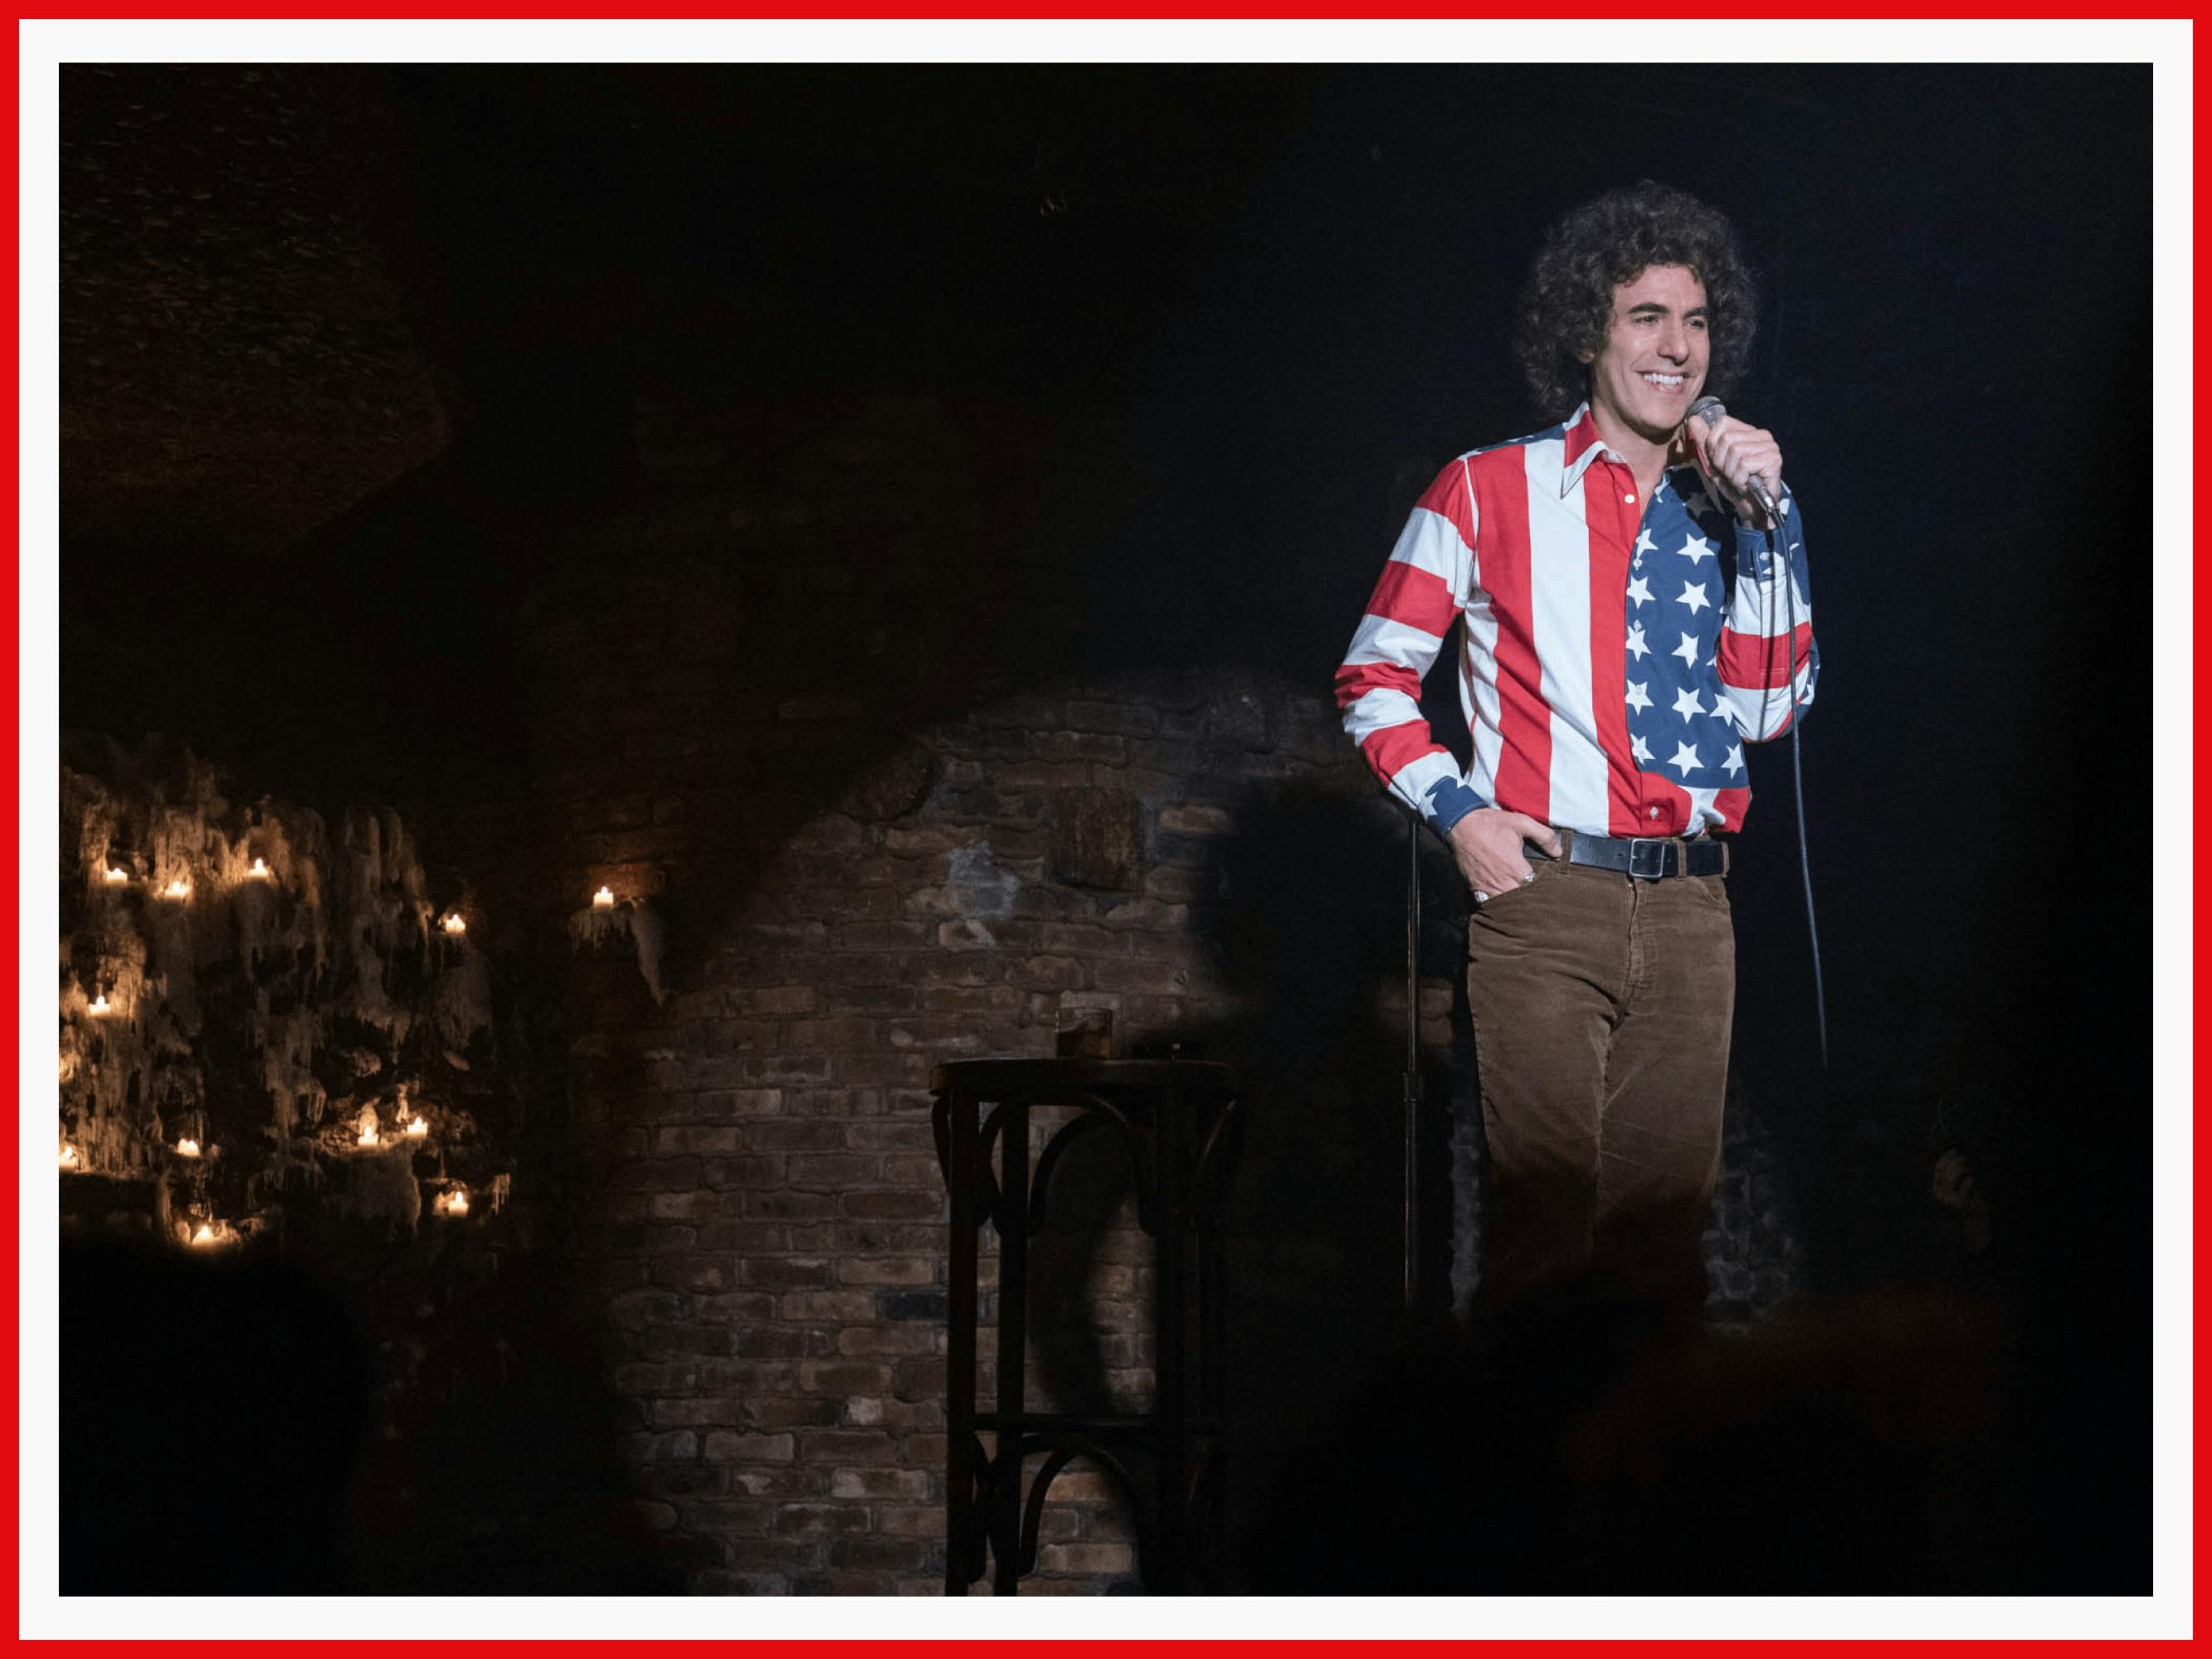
[1654, 812]
[1630, 498]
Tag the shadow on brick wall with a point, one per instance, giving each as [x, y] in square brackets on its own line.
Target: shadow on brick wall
[1305, 932]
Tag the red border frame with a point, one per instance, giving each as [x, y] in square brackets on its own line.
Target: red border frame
[10, 611]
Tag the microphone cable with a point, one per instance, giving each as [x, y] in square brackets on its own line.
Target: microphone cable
[1797, 776]
[1712, 409]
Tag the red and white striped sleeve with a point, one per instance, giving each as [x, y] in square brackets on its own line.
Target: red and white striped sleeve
[1767, 660]
[1423, 588]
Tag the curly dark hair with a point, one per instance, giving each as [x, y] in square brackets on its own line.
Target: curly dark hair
[1567, 301]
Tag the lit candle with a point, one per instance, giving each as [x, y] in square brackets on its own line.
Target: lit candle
[178, 889]
[100, 1004]
[454, 925]
[205, 1236]
[115, 875]
[188, 1147]
[453, 1202]
[418, 1128]
[604, 899]
[260, 872]
[69, 1156]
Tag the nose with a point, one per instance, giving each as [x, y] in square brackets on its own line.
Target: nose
[1674, 341]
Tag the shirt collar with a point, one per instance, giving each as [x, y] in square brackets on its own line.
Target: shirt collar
[1583, 446]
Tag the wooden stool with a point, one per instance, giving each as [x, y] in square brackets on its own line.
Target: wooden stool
[1180, 1121]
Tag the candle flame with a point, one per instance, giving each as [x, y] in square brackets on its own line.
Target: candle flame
[100, 1004]
[260, 872]
[178, 889]
[188, 1147]
[454, 1201]
[418, 1128]
[604, 899]
[205, 1236]
[115, 875]
[69, 1156]
[453, 923]
[368, 1137]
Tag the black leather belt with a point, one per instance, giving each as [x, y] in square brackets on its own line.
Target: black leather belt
[1646, 858]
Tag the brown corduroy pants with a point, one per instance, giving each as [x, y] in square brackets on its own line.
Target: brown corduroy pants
[1601, 1010]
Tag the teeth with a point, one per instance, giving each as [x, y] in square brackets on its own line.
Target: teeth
[1670, 382]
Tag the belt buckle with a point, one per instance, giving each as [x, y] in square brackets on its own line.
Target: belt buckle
[1651, 869]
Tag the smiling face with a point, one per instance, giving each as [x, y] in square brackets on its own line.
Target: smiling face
[1652, 365]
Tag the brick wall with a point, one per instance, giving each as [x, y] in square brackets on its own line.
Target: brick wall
[771, 1231]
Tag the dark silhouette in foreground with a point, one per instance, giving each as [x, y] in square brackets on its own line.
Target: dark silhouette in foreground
[1893, 1442]
[213, 1411]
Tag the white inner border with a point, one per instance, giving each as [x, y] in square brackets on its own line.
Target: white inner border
[44, 45]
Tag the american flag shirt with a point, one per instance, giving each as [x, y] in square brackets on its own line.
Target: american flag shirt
[1616, 657]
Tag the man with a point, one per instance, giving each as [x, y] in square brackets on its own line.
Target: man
[1631, 616]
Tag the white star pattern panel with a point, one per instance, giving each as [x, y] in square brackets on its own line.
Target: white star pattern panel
[1682, 724]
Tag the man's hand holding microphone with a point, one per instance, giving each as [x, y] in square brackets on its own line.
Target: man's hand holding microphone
[1743, 461]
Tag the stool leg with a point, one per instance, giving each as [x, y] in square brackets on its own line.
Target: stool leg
[1210, 1323]
[1013, 1333]
[1168, 1358]
[1213, 1355]
[957, 1110]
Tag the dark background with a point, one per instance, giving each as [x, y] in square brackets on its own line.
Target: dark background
[1260, 306]
[1274, 301]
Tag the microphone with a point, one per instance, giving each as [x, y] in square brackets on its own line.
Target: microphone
[1711, 410]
